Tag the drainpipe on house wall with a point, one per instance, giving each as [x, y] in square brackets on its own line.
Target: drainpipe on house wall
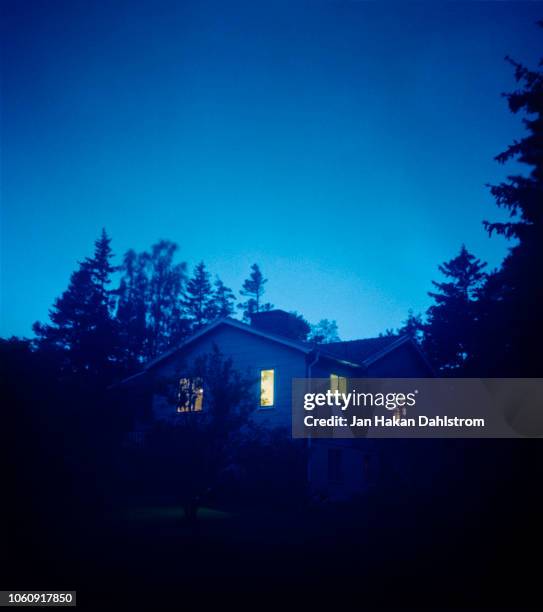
[309, 368]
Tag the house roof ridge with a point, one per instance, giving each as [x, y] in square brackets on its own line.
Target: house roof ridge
[364, 351]
[305, 347]
[392, 337]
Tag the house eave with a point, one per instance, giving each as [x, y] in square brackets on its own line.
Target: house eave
[329, 356]
[385, 351]
[237, 325]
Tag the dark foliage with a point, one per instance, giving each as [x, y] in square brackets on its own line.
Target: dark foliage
[323, 332]
[273, 471]
[83, 333]
[223, 300]
[413, 327]
[449, 330]
[132, 311]
[253, 289]
[489, 324]
[511, 302]
[195, 449]
[199, 299]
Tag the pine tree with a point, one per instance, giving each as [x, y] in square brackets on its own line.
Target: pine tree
[253, 289]
[198, 301]
[514, 297]
[448, 332]
[522, 196]
[223, 300]
[82, 330]
[413, 327]
[101, 268]
[323, 332]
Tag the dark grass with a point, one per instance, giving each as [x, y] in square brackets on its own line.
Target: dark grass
[389, 556]
[463, 539]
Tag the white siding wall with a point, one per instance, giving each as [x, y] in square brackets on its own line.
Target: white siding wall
[250, 354]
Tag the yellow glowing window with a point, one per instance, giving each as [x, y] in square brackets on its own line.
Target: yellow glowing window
[338, 383]
[190, 397]
[267, 387]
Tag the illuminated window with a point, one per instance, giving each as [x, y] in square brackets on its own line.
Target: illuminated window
[338, 383]
[267, 388]
[190, 397]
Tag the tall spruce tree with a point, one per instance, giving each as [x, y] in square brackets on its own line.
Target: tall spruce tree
[512, 334]
[449, 330]
[253, 289]
[413, 327]
[223, 299]
[82, 331]
[199, 304]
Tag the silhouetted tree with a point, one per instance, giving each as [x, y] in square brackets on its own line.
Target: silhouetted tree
[413, 327]
[514, 297]
[389, 331]
[298, 328]
[253, 289]
[82, 331]
[131, 311]
[323, 332]
[196, 447]
[198, 302]
[448, 332]
[273, 470]
[164, 300]
[151, 310]
[223, 300]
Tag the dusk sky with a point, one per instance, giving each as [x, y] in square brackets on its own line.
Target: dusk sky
[344, 146]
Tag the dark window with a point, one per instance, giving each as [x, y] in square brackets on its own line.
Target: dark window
[334, 465]
[366, 466]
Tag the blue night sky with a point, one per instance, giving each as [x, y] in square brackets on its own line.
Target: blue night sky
[344, 146]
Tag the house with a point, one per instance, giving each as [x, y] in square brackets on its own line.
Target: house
[266, 351]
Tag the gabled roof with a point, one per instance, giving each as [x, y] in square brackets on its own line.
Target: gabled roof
[300, 346]
[366, 351]
[356, 353]
[353, 353]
